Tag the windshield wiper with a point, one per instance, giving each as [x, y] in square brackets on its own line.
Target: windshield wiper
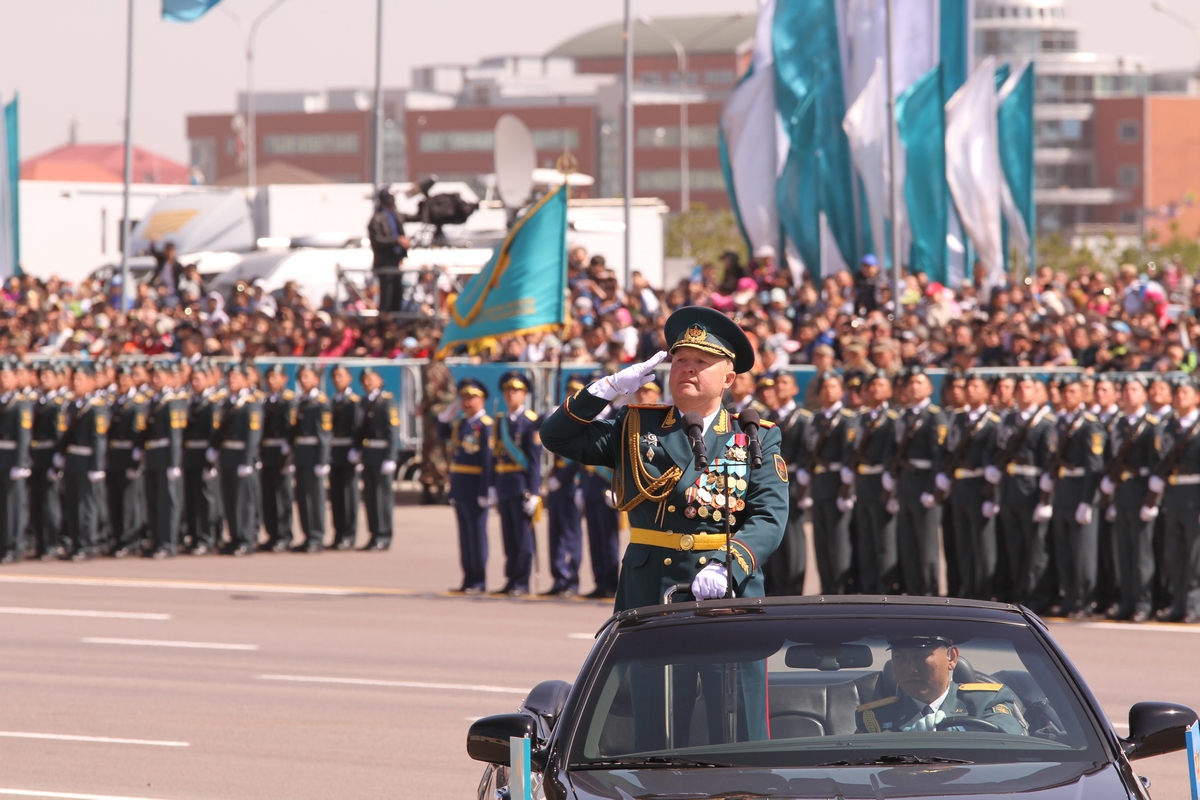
[899, 758]
[648, 761]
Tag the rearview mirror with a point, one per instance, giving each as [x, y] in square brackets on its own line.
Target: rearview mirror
[487, 740]
[828, 657]
[1157, 728]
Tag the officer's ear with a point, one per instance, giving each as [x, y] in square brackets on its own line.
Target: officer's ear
[952, 656]
[730, 375]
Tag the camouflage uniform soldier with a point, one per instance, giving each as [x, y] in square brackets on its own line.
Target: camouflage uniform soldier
[439, 393]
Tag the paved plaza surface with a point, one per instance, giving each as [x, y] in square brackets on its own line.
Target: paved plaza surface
[342, 674]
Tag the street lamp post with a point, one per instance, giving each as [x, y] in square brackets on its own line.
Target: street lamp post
[126, 228]
[1159, 5]
[681, 60]
[251, 134]
[377, 173]
[627, 144]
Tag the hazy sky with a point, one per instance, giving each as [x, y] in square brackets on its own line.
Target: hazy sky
[67, 57]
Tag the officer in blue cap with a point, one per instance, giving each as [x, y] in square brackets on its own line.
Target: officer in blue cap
[516, 476]
[600, 510]
[380, 437]
[564, 501]
[467, 429]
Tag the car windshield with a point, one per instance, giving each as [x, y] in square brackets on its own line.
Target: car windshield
[764, 691]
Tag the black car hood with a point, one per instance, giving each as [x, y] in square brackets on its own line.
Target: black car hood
[1043, 781]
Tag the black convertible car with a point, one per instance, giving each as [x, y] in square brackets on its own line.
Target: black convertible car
[825, 697]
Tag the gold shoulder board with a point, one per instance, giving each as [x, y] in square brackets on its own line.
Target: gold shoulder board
[887, 701]
[934, 409]
[486, 420]
[531, 415]
[980, 687]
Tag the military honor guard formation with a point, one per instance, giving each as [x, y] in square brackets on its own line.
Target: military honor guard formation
[1077, 497]
[166, 457]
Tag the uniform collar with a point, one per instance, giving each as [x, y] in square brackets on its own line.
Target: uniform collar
[976, 413]
[1186, 422]
[374, 393]
[936, 705]
[832, 410]
[783, 411]
[1136, 415]
[516, 413]
[477, 415]
[919, 407]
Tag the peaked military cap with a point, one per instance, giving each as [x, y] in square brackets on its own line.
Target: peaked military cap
[8, 364]
[655, 384]
[275, 369]
[576, 380]
[83, 368]
[1066, 380]
[711, 331]
[766, 380]
[898, 642]
[515, 379]
[239, 367]
[469, 387]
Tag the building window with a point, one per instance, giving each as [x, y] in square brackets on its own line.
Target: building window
[1129, 175]
[1127, 131]
[650, 77]
[456, 141]
[1129, 216]
[310, 144]
[668, 136]
[719, 77]
[555, 139]
[667, 180]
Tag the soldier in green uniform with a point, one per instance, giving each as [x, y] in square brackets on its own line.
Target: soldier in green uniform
[437, 393]
[875, 528]
[279, 415]
[16, 424]
[784, 570]
[928, 699]
[380, 438]
[80, 458]
[45, 503]
[202, 503]
[1179, 444]
[237, 439]
[126, 496]
[310, 441]
[343, 476]
[160, 451]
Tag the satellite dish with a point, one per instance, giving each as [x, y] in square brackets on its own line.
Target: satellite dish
[514, 160]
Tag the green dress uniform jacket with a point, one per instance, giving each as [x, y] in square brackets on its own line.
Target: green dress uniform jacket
[45, 504]
[278, 487]
[380, 438]
[874, 527]
[974, 535]
[1023, 537]
[676, 526]
[16, 426]
[1181, 512]
[126, 492]
[785, 569]
[343, 476]
[992, 702]
[201, 486]
[835, 432]
[916, 525]
[310, 443]
[163, 444]
[1076, 544]
[84, 444]
[239, 435]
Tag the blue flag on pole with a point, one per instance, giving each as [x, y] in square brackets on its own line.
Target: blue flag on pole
[10, 197]
[522, 289]
[186, 10]
[922, 126]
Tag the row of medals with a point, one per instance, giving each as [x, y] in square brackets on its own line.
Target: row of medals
[708, 499]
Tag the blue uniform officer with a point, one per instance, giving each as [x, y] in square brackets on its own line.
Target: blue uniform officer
[564, 503]
[468, 429]
[516, 476]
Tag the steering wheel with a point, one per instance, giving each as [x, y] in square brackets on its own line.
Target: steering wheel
[970, 723]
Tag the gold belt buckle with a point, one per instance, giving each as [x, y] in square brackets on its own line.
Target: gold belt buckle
[1174, 479]
[687, 541]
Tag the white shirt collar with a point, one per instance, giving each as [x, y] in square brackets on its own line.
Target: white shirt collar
[1136, 415]
[936, 705]
[476, 415]
[919, 407]
[833, 409]
[374, 393]
[975, 413]
[1186, 422]
[516, 412]
[783, 411]
[709, 420]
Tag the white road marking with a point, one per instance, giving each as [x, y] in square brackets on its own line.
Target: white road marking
[72, 612]
[1152, 627]
[262, 588]
[62, 737]
[66, 795]
[581, 636]
[462, 687]
[164, 643]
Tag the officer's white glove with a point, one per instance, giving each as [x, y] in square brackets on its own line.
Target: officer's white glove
[628, 380]
[321, 470]
[928, 500]
[889, 481]
[354, 455]
[137, 454]
[1083, 513]
[1157, 484]
[492, 496]
[579, 499]
[804, 503]
[16, 473]
[847, 476]
[173, 473]
[926, 723]
[990, 509]
[942, 482]
[1148, 513]
[284, 449]
[710, 583]
[802, 477]
[1110, 514]
[210, 474]
[131, 474]
[451, 411]
[245, 470]
[1046, 483]
[530, 505]
[992, 475]
[553, 483]
[845, 503]
[59, 461]
[610, 499]
[1107, 486]
[483, 501]
[1043, 512]
[387, 467]
[893, 506]
[210, 455]
[96, 475]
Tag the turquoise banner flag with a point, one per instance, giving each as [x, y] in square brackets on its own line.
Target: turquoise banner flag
[523, 288]
[954, 31]
[921, 121]
[14, 181]
[1016, 151]
[186, 10]
[817, 176]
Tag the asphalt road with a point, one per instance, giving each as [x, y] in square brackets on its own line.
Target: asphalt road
[338, 675]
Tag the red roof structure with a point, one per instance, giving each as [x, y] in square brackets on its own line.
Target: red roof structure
[102, 163]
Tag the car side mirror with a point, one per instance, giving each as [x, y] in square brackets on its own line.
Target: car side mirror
[1157, 728]
[487, 739]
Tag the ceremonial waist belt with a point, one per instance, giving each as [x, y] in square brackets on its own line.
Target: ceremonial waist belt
[233, 445]
[121, 444]
[307, 440]
[196, 444]
[274, 442]
[870, 469]
[155, 444]
[505, 469]
[375, 444]
[43, 444]
[677, 541]
[963, 474]
[466, 469]
[920, 463]
[341, 441]
[1025, 470]
[832, 466]
[79, 450]
[1141, 472]
[1186, 479]
[1071, 472]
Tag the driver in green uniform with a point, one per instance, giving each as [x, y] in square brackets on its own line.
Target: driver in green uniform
[928, 699]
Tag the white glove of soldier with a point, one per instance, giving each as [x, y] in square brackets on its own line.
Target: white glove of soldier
[451, 412]
[928, 500]
[284, 449]
[1043, 512]
[1110, 514]
[16, 473]
[530, 505]
[173, 473]
[990, 509]
[1107, 486]
[1046, 483]
[387, 467]
[805, 503]
[992, 475]
[942, 482]
[893, 506]
[321, 470]
[1083, 513]
[1157, 484]
[137, 454]
[131, 474]
[210, 474]
[579, 499]
[492, 497]
[847, 476]
[96, 476]
[802, 477]
[553, 483]
[926, 723]
[1148, 513]
[710, 583]
[245, 471]
[353, 455]
[59, 461]
[628, 380]
[845, 503]
[889, 482]
[210, 455]
[609, 499]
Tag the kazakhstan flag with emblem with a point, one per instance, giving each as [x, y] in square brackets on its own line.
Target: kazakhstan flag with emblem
[522, 289]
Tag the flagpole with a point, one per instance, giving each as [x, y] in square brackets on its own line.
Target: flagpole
[378, 166]
[627, 148]
[893, 197]
[126, 228]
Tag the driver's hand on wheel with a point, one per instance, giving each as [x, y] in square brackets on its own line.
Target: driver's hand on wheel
[926, 723]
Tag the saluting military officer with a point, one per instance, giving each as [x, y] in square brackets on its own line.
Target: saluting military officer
[161, 454]
[1025, 442]
[465, 426]
[564, 501]
[343, 476]
[875, 528]
[310, 441]
[677, 512]
[279, 414]
[1078, 468]
[16, 424]
[201, 483]
[380, 436]
[236, 440]
[45, 504]
[123, 475]
[80, 458]
[1179, 448]
[517, 477]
